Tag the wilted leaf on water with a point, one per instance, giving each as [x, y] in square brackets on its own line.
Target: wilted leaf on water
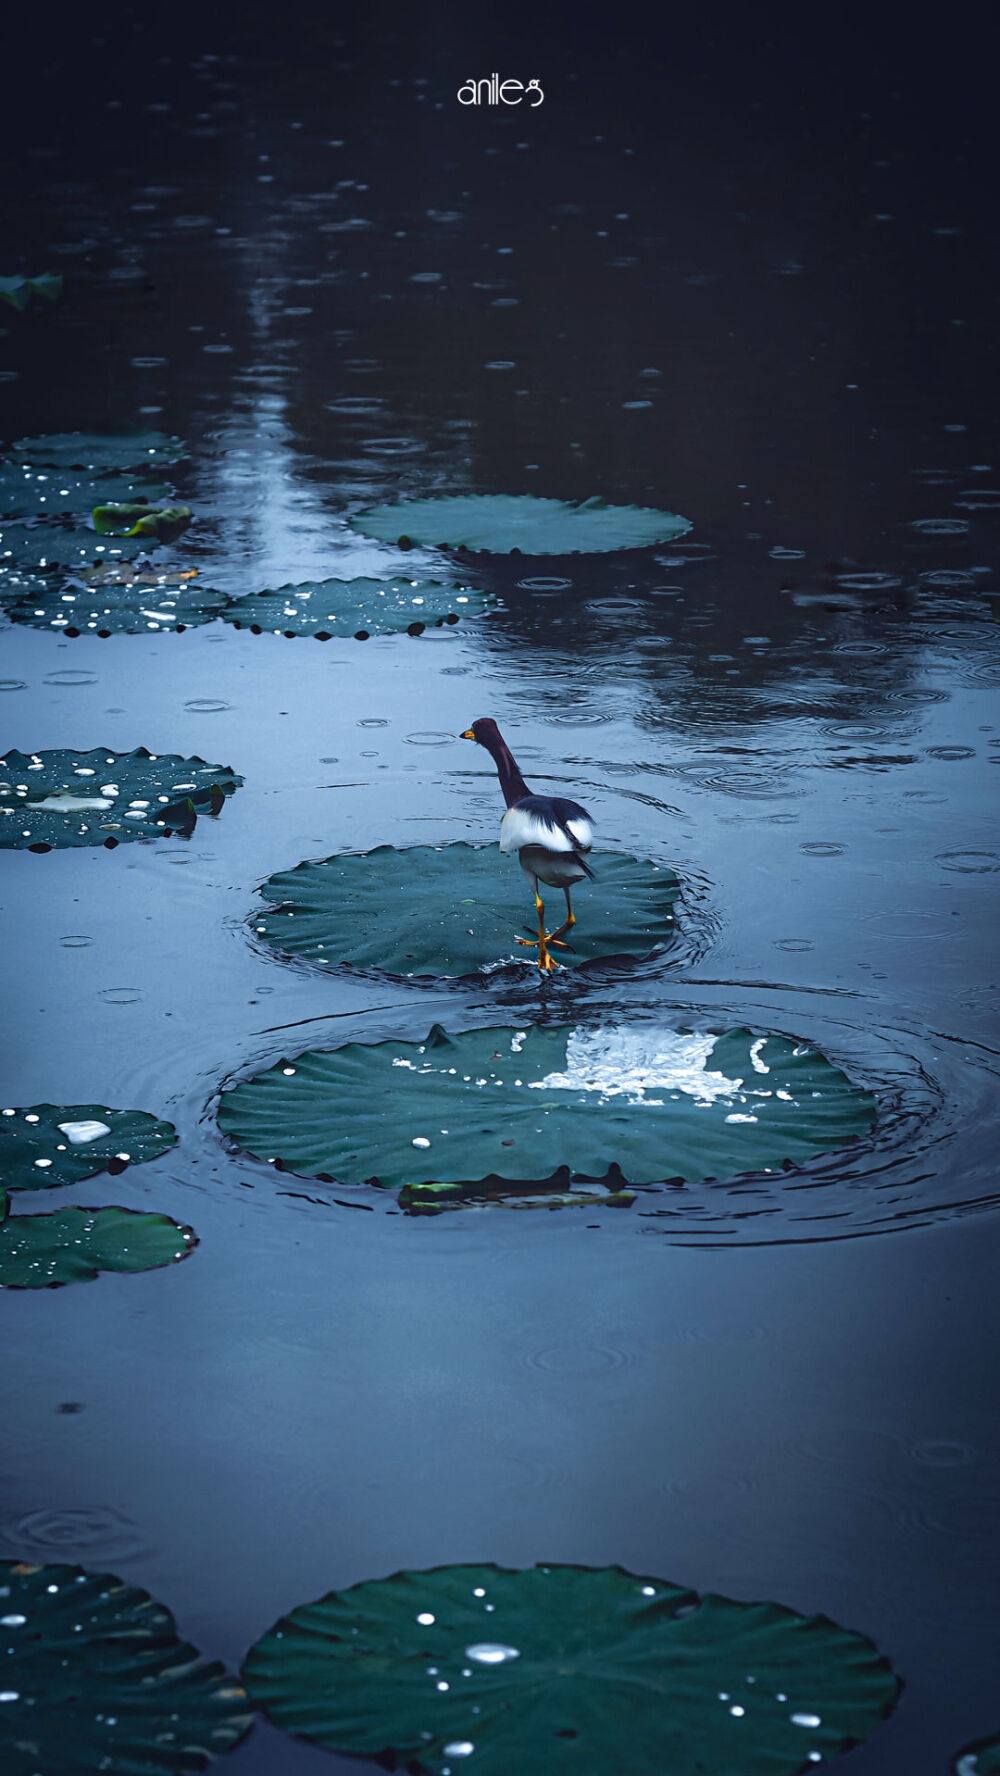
[18, 291]
[567, 1671]
[52, 1144]
[96, 1678]
[325, 608]
[452, 910]
[60, 798]
[137, 518]
[73, 1245]
[643, 1104]
[501, 522]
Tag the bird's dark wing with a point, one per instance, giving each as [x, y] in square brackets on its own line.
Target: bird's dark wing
[552, 821]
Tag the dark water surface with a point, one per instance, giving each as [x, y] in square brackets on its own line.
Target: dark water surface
[731, 289]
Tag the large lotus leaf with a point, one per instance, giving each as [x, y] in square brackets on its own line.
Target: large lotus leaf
[73, 1245]
[981, 1759]
[567, 1671]
[30, 492]
[53, 1144]
[500, 522]
[54, 799]
[522, 1104]
[18, 291]
[95, 1677]
[325, 608]
[116, 600]
[129, 448]
[453, 909]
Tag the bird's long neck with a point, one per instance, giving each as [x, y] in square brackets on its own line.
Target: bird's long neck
[511, 781]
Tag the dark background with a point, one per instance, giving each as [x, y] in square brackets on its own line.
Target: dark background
[788, 216]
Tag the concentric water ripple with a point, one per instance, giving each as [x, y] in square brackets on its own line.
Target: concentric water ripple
[84, 1533]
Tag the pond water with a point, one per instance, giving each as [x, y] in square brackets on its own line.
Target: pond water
[763, 306]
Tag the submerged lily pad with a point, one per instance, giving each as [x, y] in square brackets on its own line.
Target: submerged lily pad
[74, 1245]
[501, 522]
[129, 448]
[453, 909]
[656, 1104]
[52, 1144]
[96, 1677]
[980, 1759]
[114, 600]
[435, 1199]
[18, 291]
[55, 799]
[361, 607]
[567, 1671]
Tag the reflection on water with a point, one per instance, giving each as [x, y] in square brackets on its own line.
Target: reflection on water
[342, 292]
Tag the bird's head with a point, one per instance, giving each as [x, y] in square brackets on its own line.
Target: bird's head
[484, 731]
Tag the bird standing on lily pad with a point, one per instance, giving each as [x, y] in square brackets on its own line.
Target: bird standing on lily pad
[551, 835]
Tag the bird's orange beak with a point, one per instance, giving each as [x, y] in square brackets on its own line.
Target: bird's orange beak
[467, 735]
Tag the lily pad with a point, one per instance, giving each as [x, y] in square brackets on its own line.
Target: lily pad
[129, 448]
[139, 518]
[113, 600]
[980, 1759]
[55, 799]
[567, 1671]
[324, 608]
[27, 491]
[501, 522]
[36, 546]
[647, 1103]
[18, 291]
[96, 1678]
[53, 1144]
[454, 909]
[74, 1245]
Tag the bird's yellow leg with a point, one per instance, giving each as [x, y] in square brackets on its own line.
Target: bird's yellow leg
[546, 963]
[567, 924]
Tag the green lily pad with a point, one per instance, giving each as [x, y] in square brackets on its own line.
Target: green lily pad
[18, 291]
[55, 799]
[980, 1759]
[324, 608]
[501, 522]
[454, 909]
[96, 1678]
[30, 492]
[74, 1245]
[130, 448]
[567, 1671]
[53, 1144]
[527, 1103]
[113, 600]
[36, 546]
[137, 518]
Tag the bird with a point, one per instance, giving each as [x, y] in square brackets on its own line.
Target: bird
[550, 834]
